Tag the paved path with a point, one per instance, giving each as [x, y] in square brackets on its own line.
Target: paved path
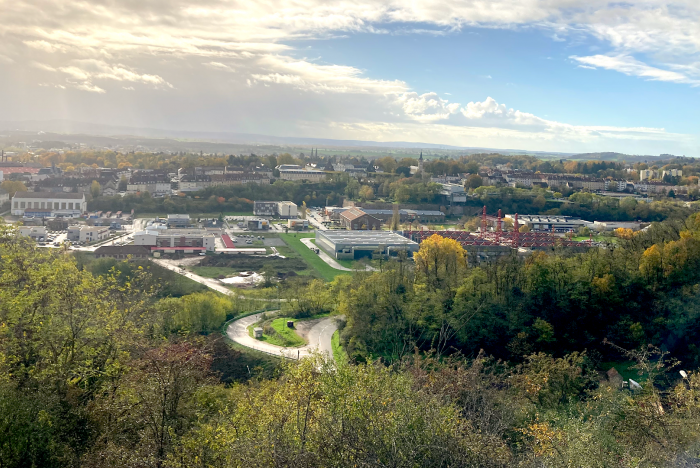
[320, 337]
[307, 241]
[208, 282]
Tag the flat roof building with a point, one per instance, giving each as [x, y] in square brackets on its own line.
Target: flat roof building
[60, 204]
[547, 223]
[301, 174]
[351, 245]
[178, 220]
[176, 239]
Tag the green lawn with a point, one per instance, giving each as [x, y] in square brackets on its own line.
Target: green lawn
[286, 337]
[324, 270]
[213, 272]
[339, 354]
[623, 367]
[596, 238]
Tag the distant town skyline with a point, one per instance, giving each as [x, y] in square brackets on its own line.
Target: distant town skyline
[542, 75]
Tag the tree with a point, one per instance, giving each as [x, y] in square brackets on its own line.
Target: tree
[12, 187]
[95, 189]
[201, 312]
[524, 228]
[366, 193]
[474, 181]
[404, 171]
[671, 194]
[123, 184]
[395, 218]
[441, 261]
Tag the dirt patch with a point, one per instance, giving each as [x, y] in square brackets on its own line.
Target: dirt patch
[302, 328]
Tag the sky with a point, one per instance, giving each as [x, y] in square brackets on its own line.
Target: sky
[540, 75]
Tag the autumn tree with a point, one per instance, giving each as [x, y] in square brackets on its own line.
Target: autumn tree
[440, 261]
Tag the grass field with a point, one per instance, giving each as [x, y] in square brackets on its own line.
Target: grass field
[596, 239]
[286, 337]
[213, 272]
[324, 270]
[339, 354]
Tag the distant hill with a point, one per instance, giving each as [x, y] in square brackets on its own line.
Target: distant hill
[94, 133]
[610, 156]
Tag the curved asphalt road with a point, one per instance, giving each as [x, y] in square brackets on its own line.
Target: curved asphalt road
[319, 338]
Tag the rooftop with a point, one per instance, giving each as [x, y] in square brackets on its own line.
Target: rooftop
[364, 237]
[53, 195]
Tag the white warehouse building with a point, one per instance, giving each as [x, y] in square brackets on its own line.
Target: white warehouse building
[176, 240]
[59, 203]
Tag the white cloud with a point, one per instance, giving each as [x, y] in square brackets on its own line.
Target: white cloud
[45, 46]
[632, 67]
[218, 66]
[88, 47]
[89, 87]
[427, 107]
[308, 76]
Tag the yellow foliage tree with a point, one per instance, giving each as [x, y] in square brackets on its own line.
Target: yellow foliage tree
[624, 233]
[442, 261]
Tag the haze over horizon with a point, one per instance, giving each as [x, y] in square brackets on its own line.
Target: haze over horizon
[543, 75]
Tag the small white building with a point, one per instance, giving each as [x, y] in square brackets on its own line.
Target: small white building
[35, 232]
[87, 233]
[60, 203]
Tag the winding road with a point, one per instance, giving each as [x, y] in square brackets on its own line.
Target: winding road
[320, 337]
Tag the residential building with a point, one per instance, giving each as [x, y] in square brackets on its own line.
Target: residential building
[453, 193]
[194, 183]
[301, 174]
[152, 182]
[87, 233]
[61, 204]
[673, 173]
[646, 174]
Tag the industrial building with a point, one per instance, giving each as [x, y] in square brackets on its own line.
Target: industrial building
[178, 240]
[346, 245]
[178, 221]
[355, 219]
[551, 223]
[258, 224]
[298, 224]
[56, 204]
